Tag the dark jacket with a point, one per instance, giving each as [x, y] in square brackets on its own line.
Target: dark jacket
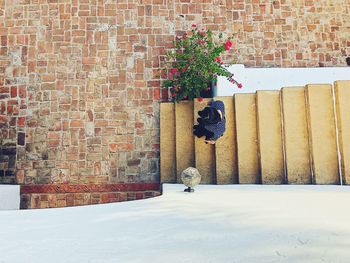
[219, 127]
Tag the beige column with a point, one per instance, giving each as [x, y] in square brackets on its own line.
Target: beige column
[322, 134]
[184, 137]
[296, 142]
[167, 143]
[342, 92]
[270, 137]
[246, 136]
[226, 149]
[204, 153]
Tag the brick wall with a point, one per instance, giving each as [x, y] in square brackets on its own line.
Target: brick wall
[79, 80]
[62, 195]
[292, 33]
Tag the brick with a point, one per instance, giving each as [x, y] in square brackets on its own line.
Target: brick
[76, 124]
[21, 121]
[133, 162]
[21, 138]
[22, 92]
[13, 92]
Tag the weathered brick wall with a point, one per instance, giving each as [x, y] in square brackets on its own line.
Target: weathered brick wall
[79, 80]
[292, 33]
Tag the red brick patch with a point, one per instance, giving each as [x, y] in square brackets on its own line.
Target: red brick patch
[88, 188]
[61, 195]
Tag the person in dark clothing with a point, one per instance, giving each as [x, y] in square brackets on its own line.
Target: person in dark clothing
[211, 122]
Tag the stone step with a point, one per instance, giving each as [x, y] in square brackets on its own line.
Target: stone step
[322, 132]
[342, 95]
[295, 135]
[184, 137]
[226, 147]
[204, 153]
[272, 137]
[246, 138]
[269, 129]
[167, 143]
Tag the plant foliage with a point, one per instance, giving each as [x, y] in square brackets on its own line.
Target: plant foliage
[194, 63]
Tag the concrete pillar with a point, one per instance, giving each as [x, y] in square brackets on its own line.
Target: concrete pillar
[204, 153]
[342, 93]
[247, 149]
[322, 134]
[167, 143]
[296, 137]
[270, 137]
[226, 148]
[184, 137]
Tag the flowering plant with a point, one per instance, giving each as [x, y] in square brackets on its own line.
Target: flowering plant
[195, 63]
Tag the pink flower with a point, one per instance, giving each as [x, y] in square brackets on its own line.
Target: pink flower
[194, 25]
[183, 36]
[239, 85]
[228, 45]
[202, 34]
[200, 99]
[184, 69]
[217, 59]
[175, 72]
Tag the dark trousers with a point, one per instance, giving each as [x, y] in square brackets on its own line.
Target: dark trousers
[200, 131]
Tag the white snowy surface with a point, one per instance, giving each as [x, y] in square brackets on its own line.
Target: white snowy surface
[254, 79]
[242, 223]
[9, 198]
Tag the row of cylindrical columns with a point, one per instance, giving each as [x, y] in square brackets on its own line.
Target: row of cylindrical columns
[272, 137]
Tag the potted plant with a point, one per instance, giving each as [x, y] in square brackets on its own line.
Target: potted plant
[195, 63]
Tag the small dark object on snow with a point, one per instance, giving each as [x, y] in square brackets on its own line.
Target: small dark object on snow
[189, 189]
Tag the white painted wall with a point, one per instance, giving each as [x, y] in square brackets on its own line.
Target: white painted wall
[275, 78]
[9, 197]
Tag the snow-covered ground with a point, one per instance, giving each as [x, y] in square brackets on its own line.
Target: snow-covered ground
[215, 224]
